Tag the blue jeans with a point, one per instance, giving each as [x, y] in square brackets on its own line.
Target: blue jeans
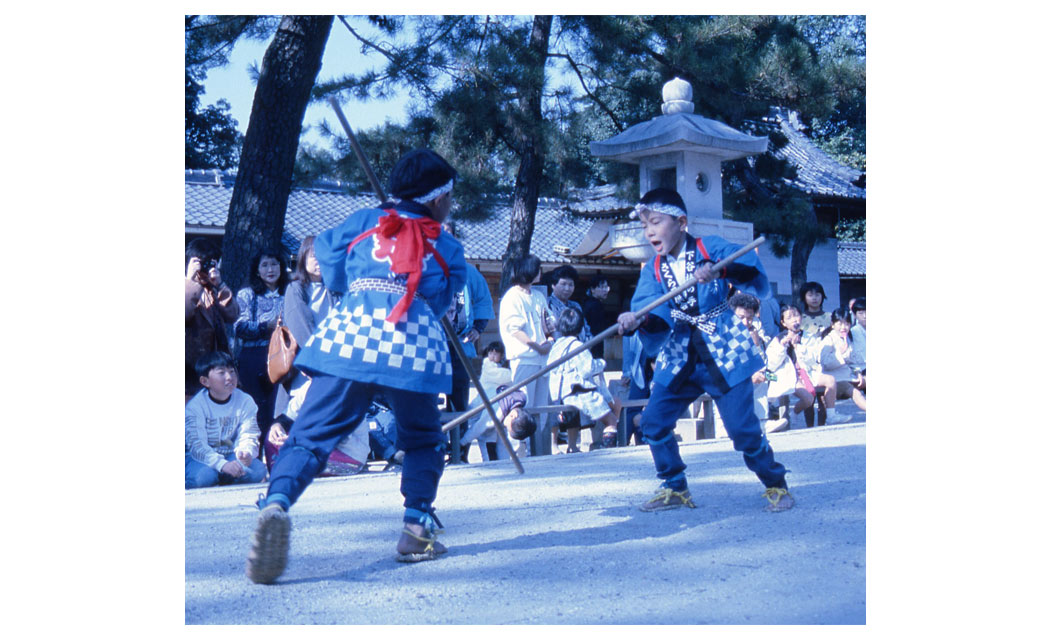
[333, 408]
[201, 475]
[738, 415]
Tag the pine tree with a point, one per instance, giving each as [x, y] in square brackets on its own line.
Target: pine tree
[264, 176]
[483, 79]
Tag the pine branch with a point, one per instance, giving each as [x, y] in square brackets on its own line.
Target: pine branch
[411, 71]
[616, 121]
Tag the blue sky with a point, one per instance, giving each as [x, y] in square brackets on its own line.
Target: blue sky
[342, 55]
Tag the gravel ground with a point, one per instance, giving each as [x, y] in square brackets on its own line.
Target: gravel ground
[562, 544]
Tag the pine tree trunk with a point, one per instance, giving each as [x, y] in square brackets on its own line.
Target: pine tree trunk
[264, 175]
[532, 149]
[801, 249]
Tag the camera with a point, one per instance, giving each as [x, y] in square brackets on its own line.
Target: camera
[208, 265]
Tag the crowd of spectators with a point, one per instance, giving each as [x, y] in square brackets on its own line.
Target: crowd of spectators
[237, 419]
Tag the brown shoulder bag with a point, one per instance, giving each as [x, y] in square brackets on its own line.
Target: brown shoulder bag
[281, 353]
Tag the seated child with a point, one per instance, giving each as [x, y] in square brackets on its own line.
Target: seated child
[795, 365]
[511, 411]
[814, 319]
[579, 382]
[222, 437]
[836, 359]
[859, 333]
[746, 307]
[348, 457]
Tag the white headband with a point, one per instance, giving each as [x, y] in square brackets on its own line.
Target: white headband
[658, 207]
[436, 193]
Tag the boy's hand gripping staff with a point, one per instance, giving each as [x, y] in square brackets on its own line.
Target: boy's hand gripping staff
[688, 284]
[453, 339]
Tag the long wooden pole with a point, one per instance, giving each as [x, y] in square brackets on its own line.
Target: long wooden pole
[688, 284]
[357, 150]
[450, 331]
[501, 431]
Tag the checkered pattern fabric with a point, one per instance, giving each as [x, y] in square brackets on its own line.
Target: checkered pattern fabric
[732, 345]
[367, 337]
[674, 353]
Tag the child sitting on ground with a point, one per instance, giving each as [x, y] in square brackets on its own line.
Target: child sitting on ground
[746, 307]
[222, 437]
[836, 359]
[347, 459]
[579, 382]
[796, 368]
[814, 319]
[511, 411]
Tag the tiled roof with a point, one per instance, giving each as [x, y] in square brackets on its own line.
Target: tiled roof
[597, 202]
[311, 211]
[818, 173]
[852, 259]
[555, 234]
[557, 230]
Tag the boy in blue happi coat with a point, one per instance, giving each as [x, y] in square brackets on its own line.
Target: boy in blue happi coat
[700, 346]
[397, 271]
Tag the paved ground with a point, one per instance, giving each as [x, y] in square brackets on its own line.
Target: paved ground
[562, 544]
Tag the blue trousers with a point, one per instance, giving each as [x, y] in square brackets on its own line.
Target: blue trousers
[742, 426]
[333, 408]
[201, 475]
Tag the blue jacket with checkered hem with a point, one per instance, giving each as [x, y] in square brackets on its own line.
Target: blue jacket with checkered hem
[357, 341]
[730, 355]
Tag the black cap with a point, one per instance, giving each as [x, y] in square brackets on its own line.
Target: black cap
[418, 173]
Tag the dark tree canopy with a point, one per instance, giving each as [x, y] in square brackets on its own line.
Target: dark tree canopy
[212, 138]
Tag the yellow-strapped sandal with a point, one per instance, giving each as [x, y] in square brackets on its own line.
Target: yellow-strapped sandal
[667, 498]
[779, 499]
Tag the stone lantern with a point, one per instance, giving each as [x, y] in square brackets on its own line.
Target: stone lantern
[683, 151]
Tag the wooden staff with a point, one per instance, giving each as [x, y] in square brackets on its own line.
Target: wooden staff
[357, 150]
[501, 431]
[688, 284]
[453, 339]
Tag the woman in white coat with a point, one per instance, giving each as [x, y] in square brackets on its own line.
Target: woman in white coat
[525, 329]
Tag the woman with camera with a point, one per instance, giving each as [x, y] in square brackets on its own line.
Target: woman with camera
[210, 305]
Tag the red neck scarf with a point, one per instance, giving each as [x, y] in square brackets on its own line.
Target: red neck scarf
[404, 241]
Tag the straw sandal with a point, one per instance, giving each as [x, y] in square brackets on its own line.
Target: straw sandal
[416, 548]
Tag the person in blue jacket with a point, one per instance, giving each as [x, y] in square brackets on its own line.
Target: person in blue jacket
[700, 346]
[397, 271]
